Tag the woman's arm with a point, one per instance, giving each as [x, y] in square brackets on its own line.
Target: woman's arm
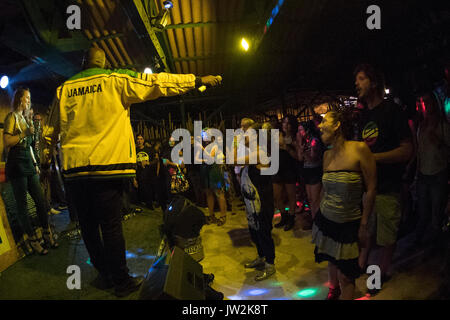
[314, 149]
[9, 138]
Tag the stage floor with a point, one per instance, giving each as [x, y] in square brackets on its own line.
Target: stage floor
[227, 248]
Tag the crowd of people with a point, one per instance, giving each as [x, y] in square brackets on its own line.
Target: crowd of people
[349, 170]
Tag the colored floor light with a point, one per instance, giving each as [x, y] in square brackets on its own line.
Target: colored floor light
[130, 255]
[307, 293]
[257, 292]
[447, 106]
[245, 44]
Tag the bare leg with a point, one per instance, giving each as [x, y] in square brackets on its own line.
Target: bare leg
[333, 276]
[347, 286]
[386, 258]
[222, 204]
[210, 201]
[277, 195]
[290, 189]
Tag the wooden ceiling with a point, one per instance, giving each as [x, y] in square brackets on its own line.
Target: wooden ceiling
[311, 45]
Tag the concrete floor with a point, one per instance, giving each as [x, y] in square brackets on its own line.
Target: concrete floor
[298, 277]
[226, 248]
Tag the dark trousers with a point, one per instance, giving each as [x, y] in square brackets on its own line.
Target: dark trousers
[98, 205]
[161, 190]
[432, 200]
[262, 235]
[145, 193]
[20, 187]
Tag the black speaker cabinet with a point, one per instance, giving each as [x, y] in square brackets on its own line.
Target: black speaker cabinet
[181, 279]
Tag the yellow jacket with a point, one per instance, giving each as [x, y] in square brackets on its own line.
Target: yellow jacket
[91, 113]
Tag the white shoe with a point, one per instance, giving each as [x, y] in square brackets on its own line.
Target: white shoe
[54, 211]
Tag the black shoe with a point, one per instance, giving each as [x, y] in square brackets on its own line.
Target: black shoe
[211, 294]
[208, 277]
[269, 270]
[384, 279]
[258, 262]
[289, 223]
[373, 292]
[131, 285]
[102, 282]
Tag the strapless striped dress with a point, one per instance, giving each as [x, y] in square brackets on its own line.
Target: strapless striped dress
[336, 225]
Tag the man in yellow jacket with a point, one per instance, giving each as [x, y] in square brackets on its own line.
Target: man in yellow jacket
[91, 113]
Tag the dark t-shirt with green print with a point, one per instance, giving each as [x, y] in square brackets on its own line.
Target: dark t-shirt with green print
[383, 129]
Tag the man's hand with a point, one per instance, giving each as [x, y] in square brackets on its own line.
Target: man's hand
[211, 81]
[135, 183]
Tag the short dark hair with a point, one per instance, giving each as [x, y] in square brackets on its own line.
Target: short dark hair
[140, 135]
[375, 76]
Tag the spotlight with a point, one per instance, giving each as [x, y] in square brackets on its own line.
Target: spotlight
[163, 18]
[245, 44]
[387, 91]
[148, 70]
[4, 82]
[168, 4]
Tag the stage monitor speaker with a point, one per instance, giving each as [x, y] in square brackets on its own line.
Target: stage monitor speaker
[181, 279]
[183, 221]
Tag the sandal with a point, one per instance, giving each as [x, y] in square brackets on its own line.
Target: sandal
[334, 293]
[48, 238]
[25, 246]
[36, 246]
[211, 219]
[221, 221]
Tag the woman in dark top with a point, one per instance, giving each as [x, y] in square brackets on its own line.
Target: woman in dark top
[310, 151]
[285, 179]
[22, 170]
